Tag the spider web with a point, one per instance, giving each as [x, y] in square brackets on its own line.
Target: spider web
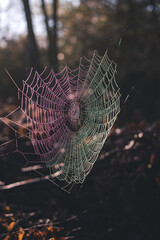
[66, 116]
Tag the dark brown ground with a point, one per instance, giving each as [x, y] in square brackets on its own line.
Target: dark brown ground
[120, 198]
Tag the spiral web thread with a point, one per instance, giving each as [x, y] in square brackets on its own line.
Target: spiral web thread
[68, 115]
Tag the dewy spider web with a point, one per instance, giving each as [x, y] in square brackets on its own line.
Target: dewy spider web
[69, 115]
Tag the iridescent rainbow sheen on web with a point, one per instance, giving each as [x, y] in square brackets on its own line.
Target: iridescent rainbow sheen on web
[70, 114]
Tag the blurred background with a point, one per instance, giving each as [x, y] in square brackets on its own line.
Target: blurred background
[54, 33]
[120, 197]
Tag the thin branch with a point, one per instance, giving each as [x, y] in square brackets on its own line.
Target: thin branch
[29, 181]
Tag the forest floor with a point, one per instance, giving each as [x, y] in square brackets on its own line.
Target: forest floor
[120, 198]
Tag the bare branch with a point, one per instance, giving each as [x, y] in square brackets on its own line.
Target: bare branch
[29, 181]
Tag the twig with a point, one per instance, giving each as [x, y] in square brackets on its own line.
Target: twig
[29, 181]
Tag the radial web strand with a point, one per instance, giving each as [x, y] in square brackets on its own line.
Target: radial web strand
[66, 116]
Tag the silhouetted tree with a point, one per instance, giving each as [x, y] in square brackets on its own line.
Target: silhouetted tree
[34, 56]
[51, 33]
[55, 50]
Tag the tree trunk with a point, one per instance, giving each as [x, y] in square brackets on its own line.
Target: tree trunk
[32, 44]
[55, 50]
[52, 34]
[49, 33]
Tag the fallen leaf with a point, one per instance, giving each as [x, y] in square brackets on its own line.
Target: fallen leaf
[21, 234]
[10, 226]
